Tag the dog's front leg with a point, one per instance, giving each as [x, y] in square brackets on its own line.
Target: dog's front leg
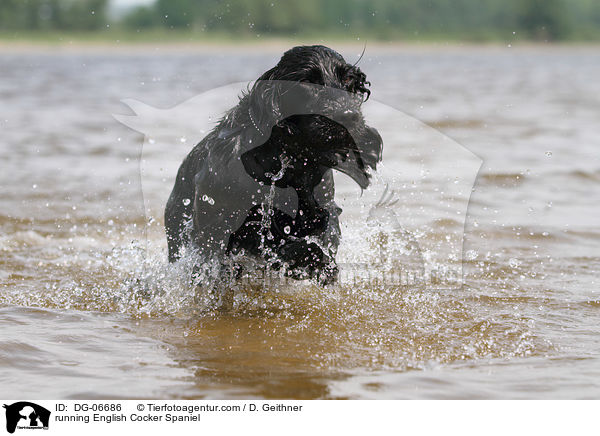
[310, 218]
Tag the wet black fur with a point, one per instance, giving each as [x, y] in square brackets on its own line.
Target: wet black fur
[303, 128]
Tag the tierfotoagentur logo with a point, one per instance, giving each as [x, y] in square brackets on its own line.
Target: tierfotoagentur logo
[404, 226]
[24, 415]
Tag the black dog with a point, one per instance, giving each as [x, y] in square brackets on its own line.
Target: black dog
[260, 183]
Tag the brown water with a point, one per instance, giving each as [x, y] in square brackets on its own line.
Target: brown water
[90, 308]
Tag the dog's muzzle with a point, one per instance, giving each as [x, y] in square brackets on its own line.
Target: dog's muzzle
[362, 158]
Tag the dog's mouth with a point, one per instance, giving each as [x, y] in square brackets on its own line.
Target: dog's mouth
[358, 158]
[354, 151]
[311, 144]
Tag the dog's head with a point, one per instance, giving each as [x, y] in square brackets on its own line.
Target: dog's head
[319, 65]
[313, 98]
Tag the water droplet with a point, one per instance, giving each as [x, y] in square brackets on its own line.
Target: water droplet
[549, 154]
[287, 230]
[471, 255]
[514, 263]
[186, 201]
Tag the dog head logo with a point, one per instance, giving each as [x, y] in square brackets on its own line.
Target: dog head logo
[429, 175]
[26, 415]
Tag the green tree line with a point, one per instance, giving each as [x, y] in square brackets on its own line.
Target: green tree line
[52, 14]
[385, 19]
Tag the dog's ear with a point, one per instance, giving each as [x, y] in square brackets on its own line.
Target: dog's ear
[264, 102]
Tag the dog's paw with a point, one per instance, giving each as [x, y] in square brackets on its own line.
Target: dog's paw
[328, 275]
[307, 260]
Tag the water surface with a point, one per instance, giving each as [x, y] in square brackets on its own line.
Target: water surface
[78, 254]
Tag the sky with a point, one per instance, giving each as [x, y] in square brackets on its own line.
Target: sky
[129, 3]
[118, 7]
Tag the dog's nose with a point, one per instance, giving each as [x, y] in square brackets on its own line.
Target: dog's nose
[349, 116]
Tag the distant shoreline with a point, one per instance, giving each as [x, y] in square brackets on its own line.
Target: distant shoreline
[75, 45]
